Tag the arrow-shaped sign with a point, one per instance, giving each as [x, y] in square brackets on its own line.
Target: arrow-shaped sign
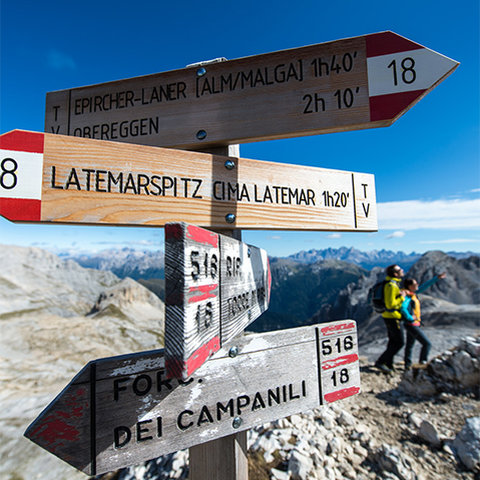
[362, 82]
[57, 178]
[121, 411]
[215, 287]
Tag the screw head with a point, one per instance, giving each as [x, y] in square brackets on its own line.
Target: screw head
[230, 217]
[237, 421]
[233, 352]
[201, 71]
[229, 164]
[201, 134]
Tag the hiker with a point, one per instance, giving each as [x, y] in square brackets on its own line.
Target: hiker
[410, 311]
[393, 299]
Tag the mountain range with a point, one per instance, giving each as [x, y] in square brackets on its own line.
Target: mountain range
[124, 262]
[323, 285]
[147, 264]
[367, 260]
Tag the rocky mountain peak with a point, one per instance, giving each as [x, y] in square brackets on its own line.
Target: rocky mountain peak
[462, 283]
[125, 294]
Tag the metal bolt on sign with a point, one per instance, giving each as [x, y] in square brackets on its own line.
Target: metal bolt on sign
[201, 135]
[233, 352]
[229, 164]
[237, 422]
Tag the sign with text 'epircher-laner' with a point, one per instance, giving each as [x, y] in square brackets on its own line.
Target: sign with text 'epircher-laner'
[215, 286]
[58, 178]
[362, 82]
[122, 411]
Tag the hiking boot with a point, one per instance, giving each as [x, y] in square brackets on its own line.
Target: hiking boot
[384, 368]
[420, 366]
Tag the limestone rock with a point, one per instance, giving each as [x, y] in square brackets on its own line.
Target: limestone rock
[299, 465]
[454, 371]
[467, 443]
[279, 474]
[429, 433]
[392, 460]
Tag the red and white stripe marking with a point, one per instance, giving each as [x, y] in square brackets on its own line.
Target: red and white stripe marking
[21, 171]
[399, 72]
[339, 362]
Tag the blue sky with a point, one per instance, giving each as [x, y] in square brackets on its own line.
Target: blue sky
[426, 165]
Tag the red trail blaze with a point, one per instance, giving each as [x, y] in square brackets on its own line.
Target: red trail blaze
[205, 292]
[200, 235]
[342, 327]
[340, 394]
[337, 362]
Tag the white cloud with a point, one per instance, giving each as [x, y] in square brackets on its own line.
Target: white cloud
[396, 234]
[334, 235]
[60, 61]
[275, 237]
[437, 214]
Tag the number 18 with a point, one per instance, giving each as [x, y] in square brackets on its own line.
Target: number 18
[408, 74]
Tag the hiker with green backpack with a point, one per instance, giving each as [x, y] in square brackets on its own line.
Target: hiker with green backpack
[389, 298]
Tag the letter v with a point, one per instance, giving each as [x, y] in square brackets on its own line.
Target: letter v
[366, 210]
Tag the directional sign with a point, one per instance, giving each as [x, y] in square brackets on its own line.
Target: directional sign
[350, 84]
[121, 411]
[57, 178]
[215, 287]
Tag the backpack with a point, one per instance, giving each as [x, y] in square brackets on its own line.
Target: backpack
[376, 296]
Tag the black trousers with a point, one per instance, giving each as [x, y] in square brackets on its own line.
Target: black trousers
[395, 341]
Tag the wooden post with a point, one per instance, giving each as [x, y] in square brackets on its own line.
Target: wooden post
[221, 459]
[224, 458]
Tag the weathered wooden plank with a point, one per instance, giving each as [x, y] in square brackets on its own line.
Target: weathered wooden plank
[215, 286]
[98, 182]
[362, 82]
[245, 286]
[129, 412]
[192, 297]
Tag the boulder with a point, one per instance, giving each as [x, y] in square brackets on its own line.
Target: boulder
[392, 460]
[467, 444]
[429, 433]
[299, 465]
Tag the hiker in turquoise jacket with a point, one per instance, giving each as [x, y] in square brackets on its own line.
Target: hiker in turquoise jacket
[410, 311]
[393, 299]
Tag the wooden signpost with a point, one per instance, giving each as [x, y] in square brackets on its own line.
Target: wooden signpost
[215, 287]
[57, 178]
[123, 410]
[362, 82]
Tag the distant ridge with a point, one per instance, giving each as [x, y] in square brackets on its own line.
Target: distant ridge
[147, 264]
[124, 262]
[368, 260]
